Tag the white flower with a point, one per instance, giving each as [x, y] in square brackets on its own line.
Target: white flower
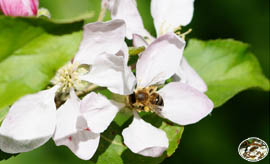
[168, 15]
[34, 119]
[104, 48]
[182, 104]
[184, 72]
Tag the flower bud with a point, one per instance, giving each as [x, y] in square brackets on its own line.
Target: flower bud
[19, 7]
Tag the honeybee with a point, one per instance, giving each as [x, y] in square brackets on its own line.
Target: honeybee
[146, 99]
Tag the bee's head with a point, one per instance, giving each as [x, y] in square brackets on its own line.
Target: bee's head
[132, 98]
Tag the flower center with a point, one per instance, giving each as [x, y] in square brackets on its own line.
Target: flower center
[67, 77]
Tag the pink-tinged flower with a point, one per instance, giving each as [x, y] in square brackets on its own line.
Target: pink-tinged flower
[167, 15]
[19, 7]
[103, 48]
[33, 120]
[181, 103]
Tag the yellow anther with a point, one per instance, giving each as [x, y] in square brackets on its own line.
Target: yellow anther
[67, 77]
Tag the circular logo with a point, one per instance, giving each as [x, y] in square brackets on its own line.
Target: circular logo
[253, 149]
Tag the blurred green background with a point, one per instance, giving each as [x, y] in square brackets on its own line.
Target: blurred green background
[215, 139]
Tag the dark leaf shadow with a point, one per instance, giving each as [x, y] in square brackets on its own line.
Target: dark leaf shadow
[5, 156]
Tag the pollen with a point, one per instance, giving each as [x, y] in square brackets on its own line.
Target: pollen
[147, 109]
[67, 77]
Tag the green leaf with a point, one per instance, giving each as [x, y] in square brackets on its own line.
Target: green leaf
[3, 113]
[66, 11]
[227, 67]
[31, 51]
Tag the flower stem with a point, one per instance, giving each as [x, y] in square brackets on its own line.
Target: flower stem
[102, 14]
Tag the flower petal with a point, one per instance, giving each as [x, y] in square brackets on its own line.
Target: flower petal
[138, 41]
[99, 37]
[98, 112]
[72, 131]
[145, 139]
[186, 74]
[184, 104]
[29, 123]
[169, 15]
[67, 118]
[111, 71]
[127, 11]
[19, 7]
[83, 144]
[160, 60]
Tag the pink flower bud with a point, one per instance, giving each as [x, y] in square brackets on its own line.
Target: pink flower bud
[19, 7]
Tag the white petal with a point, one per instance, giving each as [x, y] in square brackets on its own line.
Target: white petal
[83, 144]
[160, 60]
[98, 112]
[186, 74]
[145, 139]
[72, 131]
[124, 53]
[29, 123]
[67, 118]
[184, 104]
[127, 11]
[111, 71]
[169, 15]
[100, 37]
[138, 41]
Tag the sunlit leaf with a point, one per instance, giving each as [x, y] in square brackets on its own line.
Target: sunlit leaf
[66, 11]
[227, 67]
[31, 51]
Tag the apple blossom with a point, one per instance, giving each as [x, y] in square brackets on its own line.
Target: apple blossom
[33, 119]
[104, 48]
[19, 7]
[184, 73]
[182, 103]
[168, 16]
